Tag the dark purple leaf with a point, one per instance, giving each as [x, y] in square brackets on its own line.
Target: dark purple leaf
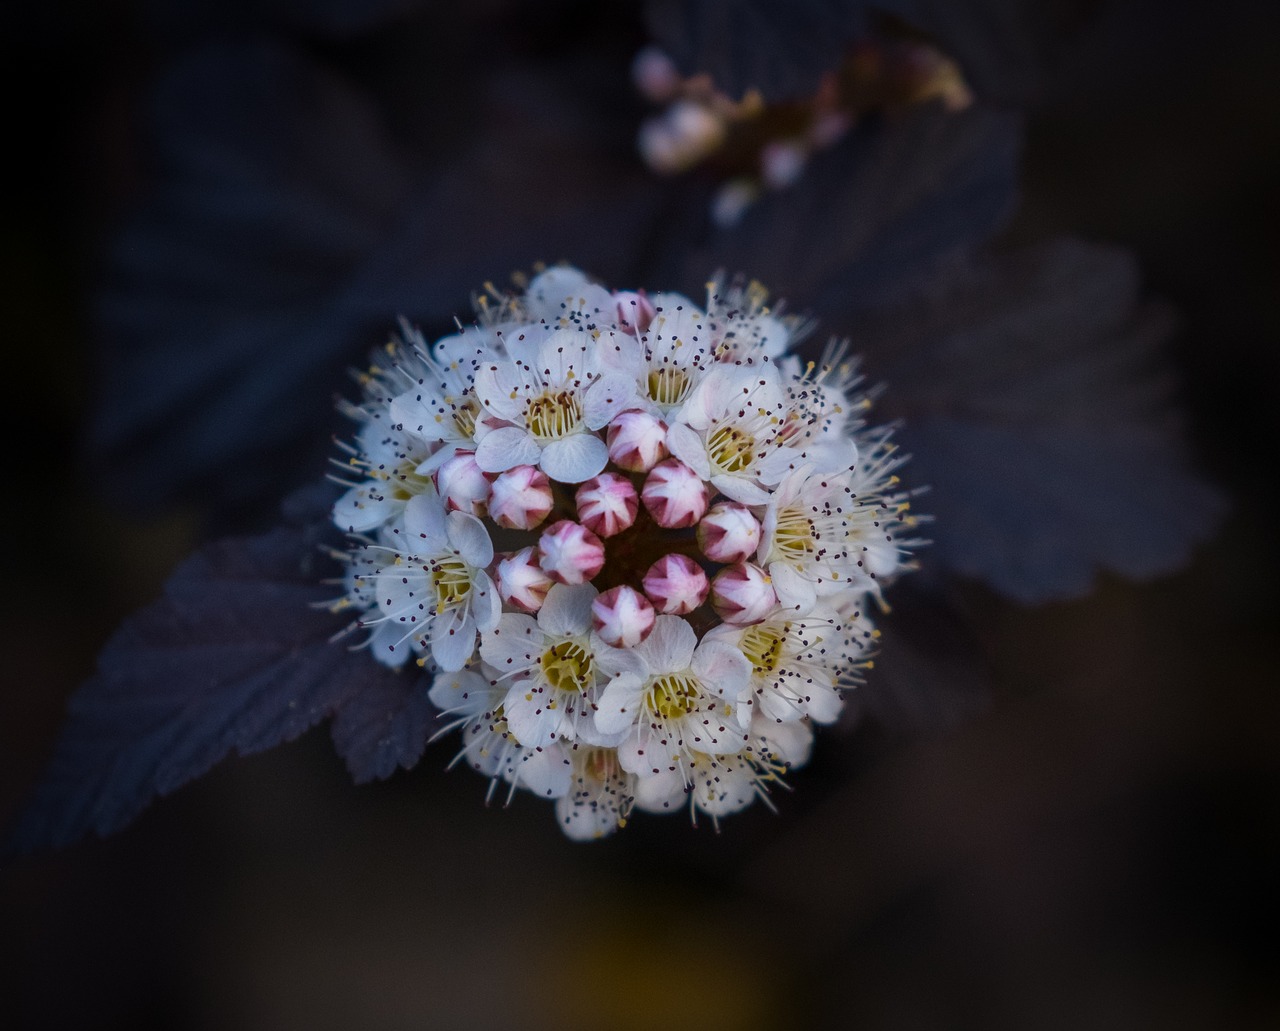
[1036, 409]
[386, 726]
[1005, 47]
[290, 225]
[890, 201]
[235, 657]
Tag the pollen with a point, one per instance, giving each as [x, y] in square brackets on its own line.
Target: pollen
[731, 448]
[568, 666]
[673, 696]
[554, 414]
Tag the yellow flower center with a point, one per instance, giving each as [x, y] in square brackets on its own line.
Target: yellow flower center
[794, 534]
[673, 695]
[568, 666]
[464, 415]
[554, 414]
[452, 582]
[668, 385]
[730, 448]
[762, 644]
[405, 483]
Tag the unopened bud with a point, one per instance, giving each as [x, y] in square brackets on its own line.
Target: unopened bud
[569, 553]
[674, 495]
[676, 585]
[635, 311]
[607, 504]
[462, 485]
[520, 498]
[728, 533]
[637, 440]
[742, 594]
[622, 616]
[521, 581]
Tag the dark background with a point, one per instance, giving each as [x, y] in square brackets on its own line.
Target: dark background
[1097, 849]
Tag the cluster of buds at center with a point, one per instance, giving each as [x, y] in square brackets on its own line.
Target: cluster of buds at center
[630, 537]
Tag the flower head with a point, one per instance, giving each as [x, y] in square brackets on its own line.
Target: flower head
[658, 631]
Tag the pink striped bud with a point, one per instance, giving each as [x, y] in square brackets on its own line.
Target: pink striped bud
[569, 553]
[635, 311]
[462, 485]
[674, 495]
[520, 498]
[607, 504]
[742, 594]
[729, 532]
[637, 440]
[676, 585]
[521, 581]
[622, 616]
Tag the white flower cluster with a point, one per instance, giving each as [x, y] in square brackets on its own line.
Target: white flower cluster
[633, 538]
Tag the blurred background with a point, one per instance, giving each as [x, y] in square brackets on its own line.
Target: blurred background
[1097, 848]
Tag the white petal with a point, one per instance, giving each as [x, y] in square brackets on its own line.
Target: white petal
[726, 789]
[462, 693]
[606, 397]
[425, 526]
[471, 540]
[453, 641]
[688, 447]
[499, 387]
[584, 821]
[513, 645]
[567, 610]
[795, 594]
[777, 463]
[669, 646]
[570, 460]
[619, 704]
[527, 715]
[563, 360]
[547, 773]
[722, 669]
[363, 508]
[738, 488]
[613, 661]
[486, 605]
[791, 742]
[661, 792]
[507, 447]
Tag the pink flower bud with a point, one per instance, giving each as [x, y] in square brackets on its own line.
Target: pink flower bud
[728, 533]
[569, 553]
[521, 581]
[520, 498]
[622, 616]
[742, 594]
[635, 311]
[676, 584]
[674, 494]
[637, 440]
[462, 485]
[607, 504]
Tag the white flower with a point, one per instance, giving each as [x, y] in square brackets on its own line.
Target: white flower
[435, 589]
[684, 700]
[550, 668]
[796, 663]
[600, 795]
[440, 407]
[729, 432]
[474, 706]
[553, 400]
[586, 433]
[824, 533]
